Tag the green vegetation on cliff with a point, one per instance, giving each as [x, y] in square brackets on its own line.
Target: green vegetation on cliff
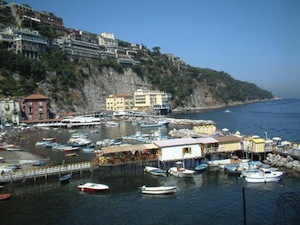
[20, 77]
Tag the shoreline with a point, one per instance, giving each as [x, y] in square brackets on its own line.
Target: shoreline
[232, 104]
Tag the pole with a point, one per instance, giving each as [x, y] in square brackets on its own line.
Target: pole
[244, 206]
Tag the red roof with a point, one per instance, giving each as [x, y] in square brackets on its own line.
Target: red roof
[35, 96]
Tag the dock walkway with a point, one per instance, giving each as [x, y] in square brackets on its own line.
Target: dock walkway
[22, 175]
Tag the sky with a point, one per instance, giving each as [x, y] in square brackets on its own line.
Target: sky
[256, 41]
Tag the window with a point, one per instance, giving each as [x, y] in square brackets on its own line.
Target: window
[186, 150]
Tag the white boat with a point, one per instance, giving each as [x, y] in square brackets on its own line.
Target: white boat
[70, 149]
[155, 124]
[181, 172]
[92, 187]
[161, 190]
[149, 168]
[155, 171]
[264, 175]
[219, 162]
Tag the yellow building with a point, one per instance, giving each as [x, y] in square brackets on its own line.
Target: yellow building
[119, 103]
[208, 129]
[229, 143]
[146, 99]
[257, 145]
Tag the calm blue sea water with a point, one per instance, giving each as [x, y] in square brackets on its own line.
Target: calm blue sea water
[276, 118]
[211, 197]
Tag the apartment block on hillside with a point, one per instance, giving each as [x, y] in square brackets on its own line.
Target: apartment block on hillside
[119, 103]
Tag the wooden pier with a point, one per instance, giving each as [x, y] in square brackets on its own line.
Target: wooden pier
[22, 175]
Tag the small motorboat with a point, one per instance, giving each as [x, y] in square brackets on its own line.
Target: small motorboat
[201, 167]
[65, 178]
[181, 171]
[264, 175]
[92, 187]
[161, 190]
[5, 196]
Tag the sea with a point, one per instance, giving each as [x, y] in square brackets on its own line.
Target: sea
[211, 197]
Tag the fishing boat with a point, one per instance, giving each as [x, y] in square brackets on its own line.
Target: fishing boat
[65, 178]
[201, 167]
[92, 187]
[264, 175]
[161, 190]
[5, 196]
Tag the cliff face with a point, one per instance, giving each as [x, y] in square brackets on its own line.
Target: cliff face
[89, 95]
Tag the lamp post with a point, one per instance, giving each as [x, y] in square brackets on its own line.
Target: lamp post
[266, 135]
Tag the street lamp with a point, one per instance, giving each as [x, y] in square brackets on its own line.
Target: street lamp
[266, 135]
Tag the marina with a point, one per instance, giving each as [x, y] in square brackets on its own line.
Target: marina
[201, 195]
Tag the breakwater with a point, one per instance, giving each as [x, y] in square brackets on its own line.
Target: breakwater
[279, 160]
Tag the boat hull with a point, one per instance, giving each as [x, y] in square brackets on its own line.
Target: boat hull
[181, 173]
[92, 187]
[65, 178]
[4, 196]
[162, 190]
[263, 176]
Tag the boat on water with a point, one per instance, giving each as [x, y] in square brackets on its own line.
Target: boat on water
[92, 187]
[70, 149]
[263, 175]
[71, 154]
[160, 190]
[5, 196]
[65, 178]
[201, 167]
[155, 124]
[181, 171]
[234, 169]
[155, 171]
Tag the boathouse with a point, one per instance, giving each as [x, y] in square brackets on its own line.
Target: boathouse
[229, 143]
[256, 145]
[177, 149]
[208, 145]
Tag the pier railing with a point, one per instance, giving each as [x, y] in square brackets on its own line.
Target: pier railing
[45, 172]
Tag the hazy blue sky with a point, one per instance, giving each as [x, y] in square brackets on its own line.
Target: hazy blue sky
[257, 41]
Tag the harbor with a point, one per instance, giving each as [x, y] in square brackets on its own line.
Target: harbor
[211, 190]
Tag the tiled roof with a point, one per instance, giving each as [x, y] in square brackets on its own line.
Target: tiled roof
[35, 96]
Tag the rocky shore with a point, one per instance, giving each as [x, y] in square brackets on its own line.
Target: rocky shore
[282, 162]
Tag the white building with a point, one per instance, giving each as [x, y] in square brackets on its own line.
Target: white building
[178, 149]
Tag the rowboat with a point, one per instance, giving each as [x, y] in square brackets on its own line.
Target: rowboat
[155, 171]
[66, 177]
[92, 187]
[5, 196]
[201, 167]
[70, 149]
[71, 154]
[161, 190]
